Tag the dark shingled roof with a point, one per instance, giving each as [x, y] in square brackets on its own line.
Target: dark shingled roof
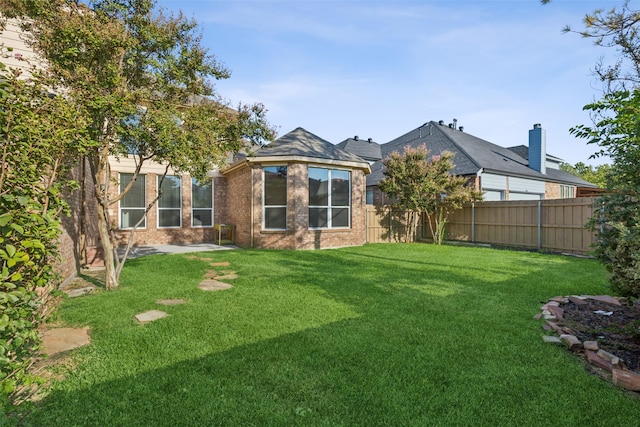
[471, 154]
[366, 149]
[300, 142]
[553, 174]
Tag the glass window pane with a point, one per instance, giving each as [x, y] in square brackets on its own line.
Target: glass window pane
[202, 218]
[339, 217]
[135, 196]
[275, 218]
[130, 217]
[201, 194]
[318, 218]
[170, 195]
[318, 187]
[339, 188]
[169, 218]
[275, 185]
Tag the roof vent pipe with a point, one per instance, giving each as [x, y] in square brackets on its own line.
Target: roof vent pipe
[441, 122]
[356, 137]
[461, 128]
[455, 123]
[370, 140]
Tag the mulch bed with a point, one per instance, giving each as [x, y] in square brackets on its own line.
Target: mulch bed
[617, 333]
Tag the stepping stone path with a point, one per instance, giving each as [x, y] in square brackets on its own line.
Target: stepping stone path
[607, 364]
[150, 316]
[59, 340]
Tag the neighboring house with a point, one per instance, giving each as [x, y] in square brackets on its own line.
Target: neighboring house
[517, 173]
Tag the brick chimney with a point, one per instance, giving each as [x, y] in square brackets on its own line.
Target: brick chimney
[538, 148]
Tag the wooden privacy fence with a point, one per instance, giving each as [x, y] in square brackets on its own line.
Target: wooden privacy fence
[553, 225]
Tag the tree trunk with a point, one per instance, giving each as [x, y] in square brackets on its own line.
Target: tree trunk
[111, 279]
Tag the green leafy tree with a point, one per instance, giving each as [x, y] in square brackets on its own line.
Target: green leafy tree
[617, 220]
[597, 175]
[423, 184]
[39, 133]
[146, 85]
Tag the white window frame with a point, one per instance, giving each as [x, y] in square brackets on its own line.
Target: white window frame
[142, 178]
[264, 205]
[567, 191]
[158, 208]
[195, 182]
[329, 205]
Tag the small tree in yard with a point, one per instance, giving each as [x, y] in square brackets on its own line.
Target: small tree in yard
[425, 185]
[144, 81]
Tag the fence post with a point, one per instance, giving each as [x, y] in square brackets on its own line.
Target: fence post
[539, 224]
[473, 222]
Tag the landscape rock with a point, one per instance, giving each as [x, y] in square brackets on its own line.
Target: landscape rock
[627, 379]
[571, 341]
[577, 300]
[220, 264]
[595, 360]
[557, 312]
[606, 298]
[551, 339]
[78, 292]
[591, 345]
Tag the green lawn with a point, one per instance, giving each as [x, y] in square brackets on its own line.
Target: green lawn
[380, 335]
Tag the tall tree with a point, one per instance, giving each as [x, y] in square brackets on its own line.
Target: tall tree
[616, 132]
[424, 184]
[596, 175]
[146, 84]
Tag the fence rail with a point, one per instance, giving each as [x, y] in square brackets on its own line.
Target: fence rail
[554, 225]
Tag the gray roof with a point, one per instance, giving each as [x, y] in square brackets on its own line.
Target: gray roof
[300, 142]
[366, 149]
[553, 174]
[471, 154]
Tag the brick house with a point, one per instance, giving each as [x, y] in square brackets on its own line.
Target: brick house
[298, 192]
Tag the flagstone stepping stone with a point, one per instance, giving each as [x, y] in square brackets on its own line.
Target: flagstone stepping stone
[59, 340]
[229, 276]
[78, 292]
[220, 264]
[213, 285]
[150, 316]
[210, 274]
[175, 301]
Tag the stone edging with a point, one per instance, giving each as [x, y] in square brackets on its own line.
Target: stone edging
[608, 365]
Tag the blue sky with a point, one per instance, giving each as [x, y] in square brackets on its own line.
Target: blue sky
[378, 69]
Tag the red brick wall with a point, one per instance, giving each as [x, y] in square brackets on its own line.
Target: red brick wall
[298, 235]
[238, 204]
